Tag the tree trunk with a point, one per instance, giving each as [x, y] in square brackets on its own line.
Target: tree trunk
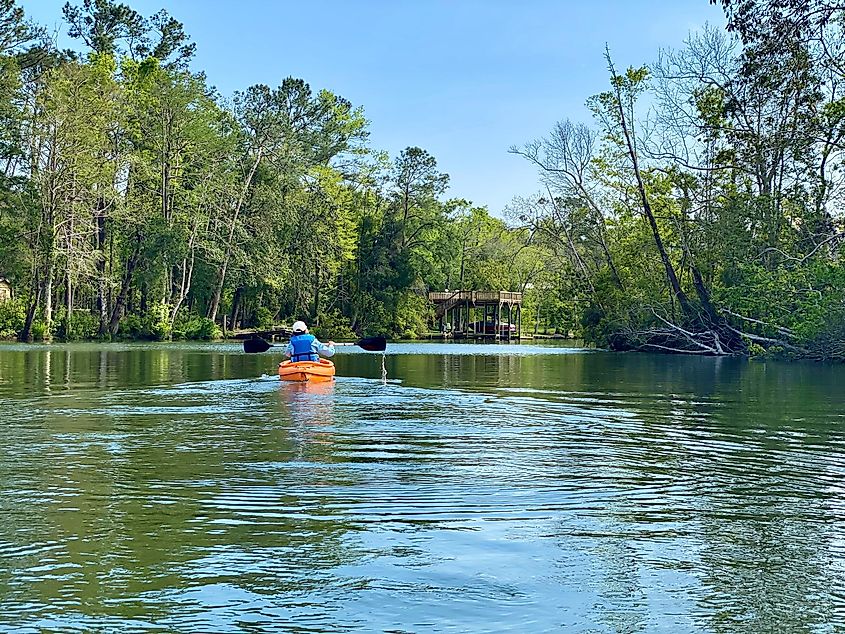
[671, 276]
[221, 277]
[126, 284]
[218, 290]
[236, 308]
[100, 244]
[187, 278]
[615, 273]
[68, 302]
[48, 300]
[316, 306]
[32, 308]
[49, 219]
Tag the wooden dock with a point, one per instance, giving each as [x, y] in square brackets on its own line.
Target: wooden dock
[457, 313]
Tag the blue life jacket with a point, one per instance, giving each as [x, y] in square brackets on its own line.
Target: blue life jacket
[302, 348]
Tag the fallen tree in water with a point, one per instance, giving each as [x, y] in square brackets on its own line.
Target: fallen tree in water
[714, 225]
[731, 338]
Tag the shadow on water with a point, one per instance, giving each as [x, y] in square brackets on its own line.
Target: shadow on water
[482, 488]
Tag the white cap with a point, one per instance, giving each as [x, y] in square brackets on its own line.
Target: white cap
[299, 326]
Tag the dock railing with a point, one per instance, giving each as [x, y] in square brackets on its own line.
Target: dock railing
[476, 297]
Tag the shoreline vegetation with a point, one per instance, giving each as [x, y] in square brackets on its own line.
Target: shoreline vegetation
[699, 212]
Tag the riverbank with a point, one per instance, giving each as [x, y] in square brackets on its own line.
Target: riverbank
[281, 333]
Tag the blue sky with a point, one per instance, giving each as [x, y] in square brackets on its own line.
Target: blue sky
[464, 79]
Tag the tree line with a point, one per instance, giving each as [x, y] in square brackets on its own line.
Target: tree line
[702, 210]
[136, 201]
[699, 211]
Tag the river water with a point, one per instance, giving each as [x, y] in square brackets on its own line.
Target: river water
[482, 488]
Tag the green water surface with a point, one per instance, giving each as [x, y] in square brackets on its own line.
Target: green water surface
[481, 488]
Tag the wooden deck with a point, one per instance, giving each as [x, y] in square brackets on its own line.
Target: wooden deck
[477, 296]
[454, 313]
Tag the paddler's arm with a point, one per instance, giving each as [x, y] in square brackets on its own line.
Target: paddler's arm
[324, 349]
[289, 350]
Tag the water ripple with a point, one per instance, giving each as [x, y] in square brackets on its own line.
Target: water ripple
[528, 492]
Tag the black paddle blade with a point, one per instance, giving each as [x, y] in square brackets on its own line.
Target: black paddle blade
[373, 344]
[256, 345]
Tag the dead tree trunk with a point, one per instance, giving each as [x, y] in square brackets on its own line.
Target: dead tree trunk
[630, 143]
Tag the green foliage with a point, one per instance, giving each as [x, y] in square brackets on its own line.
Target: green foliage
[264, 318]
[132, 327]
[39, 330]
[12, 318]
[169, 205]
[82, 326]
[373, 318]
[410, 317]
[807, 299]
[333, 326]
[155, 326]
[263, 205]
[157, 322]
[110, 27]
[196, 328]
[756, 350]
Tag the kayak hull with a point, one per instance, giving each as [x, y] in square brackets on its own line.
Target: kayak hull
[301, 371]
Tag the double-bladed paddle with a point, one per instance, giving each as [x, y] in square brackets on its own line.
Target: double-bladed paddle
[372, 344]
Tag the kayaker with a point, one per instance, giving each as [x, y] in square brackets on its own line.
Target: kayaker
[306, 347]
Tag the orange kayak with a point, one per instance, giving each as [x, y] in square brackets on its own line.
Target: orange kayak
[321, 370]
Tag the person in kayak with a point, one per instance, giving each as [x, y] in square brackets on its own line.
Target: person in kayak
[306, 347]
